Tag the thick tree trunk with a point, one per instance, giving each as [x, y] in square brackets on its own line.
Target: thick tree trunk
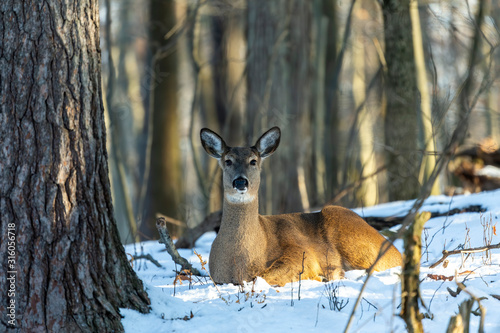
[69, 270]
[402, 157]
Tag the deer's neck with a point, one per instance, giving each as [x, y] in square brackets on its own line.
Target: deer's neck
[238, 252]
[237, 218]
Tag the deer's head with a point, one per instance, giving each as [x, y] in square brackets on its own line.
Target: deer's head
[240, 165]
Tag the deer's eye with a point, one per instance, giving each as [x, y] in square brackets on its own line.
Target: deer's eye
[253, 162]
[229, 162]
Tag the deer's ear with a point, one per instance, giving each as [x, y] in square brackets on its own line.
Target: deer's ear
[212, 143]
[268, 142]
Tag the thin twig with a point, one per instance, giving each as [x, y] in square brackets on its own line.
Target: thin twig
[301, 272]
[171, 220]
[203, 263]
[350, 187]
[469, 250]
[148, 257]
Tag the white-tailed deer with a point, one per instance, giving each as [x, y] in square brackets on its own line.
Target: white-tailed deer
[250, 245]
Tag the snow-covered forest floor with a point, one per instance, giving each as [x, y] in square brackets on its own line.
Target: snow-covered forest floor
[199, 306]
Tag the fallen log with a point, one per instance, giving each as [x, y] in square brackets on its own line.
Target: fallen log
[191, 235]
[380, 223]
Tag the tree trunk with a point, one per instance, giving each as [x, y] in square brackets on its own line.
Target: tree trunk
[366, 119]
[320, 41]
[125, 109]
[278, 93]
[331, 119]
[68, 269]
[429, 160]
[492, 10]
[402, 158]
[165, 181]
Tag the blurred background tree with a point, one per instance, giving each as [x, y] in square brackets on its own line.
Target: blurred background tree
[365, 93]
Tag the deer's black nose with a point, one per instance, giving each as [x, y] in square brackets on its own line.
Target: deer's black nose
[240, 184]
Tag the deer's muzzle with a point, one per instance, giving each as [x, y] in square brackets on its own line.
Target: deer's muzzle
[241, 184]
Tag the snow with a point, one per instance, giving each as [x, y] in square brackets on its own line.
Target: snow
[489, 171]
[202, 307]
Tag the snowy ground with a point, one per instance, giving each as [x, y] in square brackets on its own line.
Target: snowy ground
[201, 307]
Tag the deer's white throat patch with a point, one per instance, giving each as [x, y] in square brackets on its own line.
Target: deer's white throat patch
[239, 198]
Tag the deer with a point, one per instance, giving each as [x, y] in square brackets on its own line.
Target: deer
[279, 248]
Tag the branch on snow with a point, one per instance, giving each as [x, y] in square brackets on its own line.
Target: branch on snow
[161, 225]
[471, 250]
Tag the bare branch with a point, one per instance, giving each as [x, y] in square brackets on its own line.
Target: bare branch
[446, 254]
[161, 225]
[478, 300]
[148, 257]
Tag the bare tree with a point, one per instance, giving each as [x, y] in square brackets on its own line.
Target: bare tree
[278, 93]
[366, 119]
[429, 160]
[165, 181]
[332, 72]
[401, 116]
[68, 269]
[119, 109]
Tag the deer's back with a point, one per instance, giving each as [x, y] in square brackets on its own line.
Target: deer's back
[334, 237]
[302, 235]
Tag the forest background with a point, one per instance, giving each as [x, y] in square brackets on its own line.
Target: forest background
[374, 98]
[368, 95]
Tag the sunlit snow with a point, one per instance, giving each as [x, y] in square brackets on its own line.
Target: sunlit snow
[201, 307]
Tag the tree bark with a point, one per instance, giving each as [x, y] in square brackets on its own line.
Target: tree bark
[69, 268]
[402, 157]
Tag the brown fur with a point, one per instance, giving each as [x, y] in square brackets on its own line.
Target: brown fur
[249, 245]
